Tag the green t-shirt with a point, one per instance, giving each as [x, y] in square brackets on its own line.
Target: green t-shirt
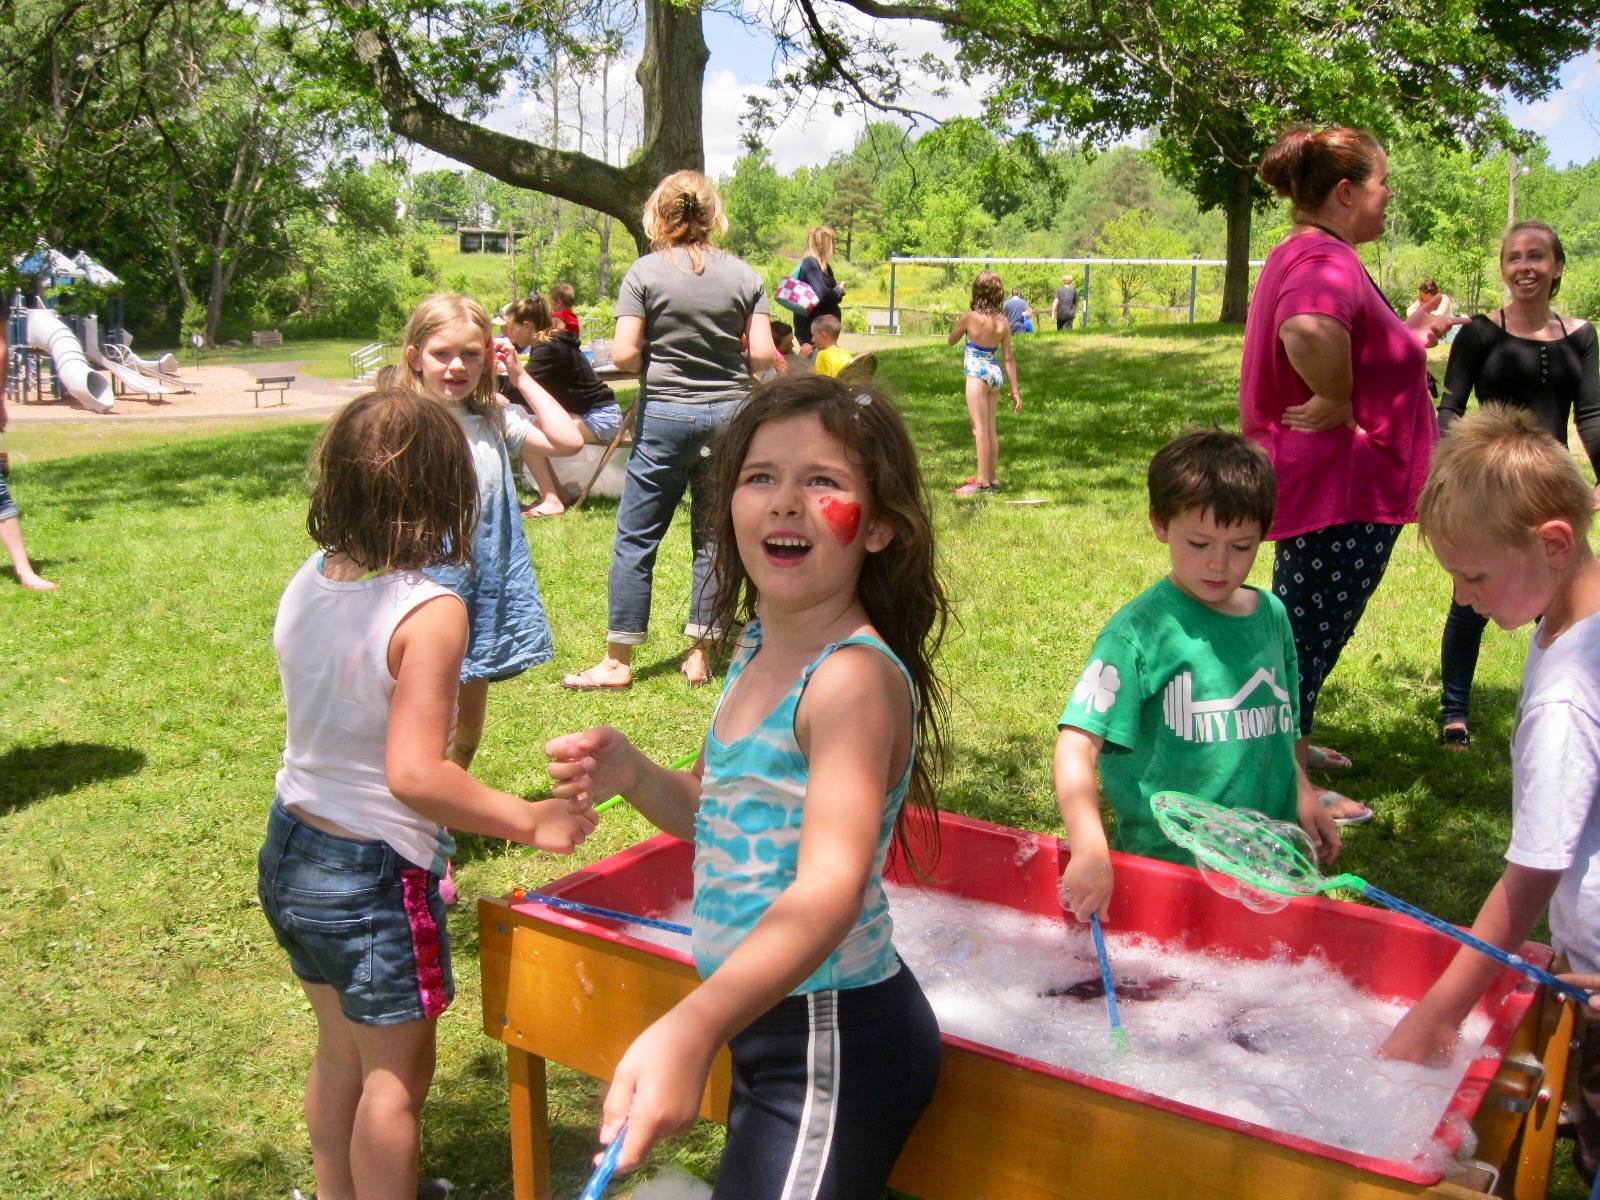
[1193, 700]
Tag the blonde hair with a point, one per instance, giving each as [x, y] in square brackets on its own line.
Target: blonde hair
[821, 245]
[433, 314]
[1496, 477]
[685, 211]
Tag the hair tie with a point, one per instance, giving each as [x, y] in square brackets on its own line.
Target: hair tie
[689, 206]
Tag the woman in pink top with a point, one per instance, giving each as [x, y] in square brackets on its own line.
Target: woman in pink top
[1334, 384]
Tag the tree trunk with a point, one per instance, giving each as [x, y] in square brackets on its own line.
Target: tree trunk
[555, 140]
[1236, 278]
[671, 72]
[603, 268]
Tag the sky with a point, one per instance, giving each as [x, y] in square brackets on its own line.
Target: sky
[741, 62]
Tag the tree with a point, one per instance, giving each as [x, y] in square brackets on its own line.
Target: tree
[417, 69]
[1138, 233]
[854, 203]
[1218, 81]
[753, 198]
[442, 197]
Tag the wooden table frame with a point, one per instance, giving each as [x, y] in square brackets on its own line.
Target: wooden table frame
[995, 1130]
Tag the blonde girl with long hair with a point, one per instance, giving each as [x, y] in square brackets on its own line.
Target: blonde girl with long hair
[448, 357]
[692, 320]
[816, 270]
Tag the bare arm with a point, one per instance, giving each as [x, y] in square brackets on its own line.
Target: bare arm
[1319, 351]
[600, 763]
[959, 332]
[627, 348]
[758, 334]
[1011, 370]
[425, 659]
[1506, 919]
[1086, 885]
[556, 432]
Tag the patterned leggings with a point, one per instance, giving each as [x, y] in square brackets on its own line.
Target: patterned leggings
[1325, 579]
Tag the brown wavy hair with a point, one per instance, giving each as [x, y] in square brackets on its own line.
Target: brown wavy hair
[900, 586]
[533, 312]
[1307, 163]
[394, 488]
[987, 292]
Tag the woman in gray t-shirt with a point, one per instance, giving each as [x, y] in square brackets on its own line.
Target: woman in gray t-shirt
[692, 320]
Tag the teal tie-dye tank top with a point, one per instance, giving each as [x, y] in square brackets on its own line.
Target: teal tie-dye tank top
[747, 836]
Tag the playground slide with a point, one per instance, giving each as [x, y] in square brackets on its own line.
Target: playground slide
[166, 365]
[132, 380]
[89, 388]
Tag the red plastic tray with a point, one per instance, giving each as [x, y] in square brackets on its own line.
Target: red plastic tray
[1386, 954]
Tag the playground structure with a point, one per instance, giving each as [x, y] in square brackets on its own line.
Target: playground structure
[81, 366]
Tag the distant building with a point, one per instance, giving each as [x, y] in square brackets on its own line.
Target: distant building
[480, 239]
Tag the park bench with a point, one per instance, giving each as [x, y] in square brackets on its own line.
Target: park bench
[882, 320]
[266, 337]
[272, 383]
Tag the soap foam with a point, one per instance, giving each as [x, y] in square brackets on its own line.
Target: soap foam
[1286, 1043]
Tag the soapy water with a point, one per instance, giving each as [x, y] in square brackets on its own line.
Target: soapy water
[1286, 1043]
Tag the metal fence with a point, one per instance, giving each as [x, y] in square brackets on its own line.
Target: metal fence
[1088, 265]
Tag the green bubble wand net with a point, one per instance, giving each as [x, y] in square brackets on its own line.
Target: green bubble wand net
[1247, 856]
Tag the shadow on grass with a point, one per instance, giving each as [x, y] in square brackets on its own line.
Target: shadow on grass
[268, 464]
[30, 773]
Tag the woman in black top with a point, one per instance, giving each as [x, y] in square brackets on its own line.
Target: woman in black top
[816, 269]
[558, 364]
[1526, 356]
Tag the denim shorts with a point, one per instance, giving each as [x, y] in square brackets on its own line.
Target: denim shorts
[603, 421]
[359, 918]
[8, 506]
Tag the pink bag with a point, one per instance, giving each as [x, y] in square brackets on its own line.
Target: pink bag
[796, 295]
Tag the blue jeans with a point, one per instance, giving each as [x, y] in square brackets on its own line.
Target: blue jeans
[357, 917]
[671, 453]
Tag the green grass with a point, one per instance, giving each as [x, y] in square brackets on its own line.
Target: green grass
[153, 1043]
[326, 358]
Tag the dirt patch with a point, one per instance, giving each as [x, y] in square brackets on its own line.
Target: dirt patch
[207, 391]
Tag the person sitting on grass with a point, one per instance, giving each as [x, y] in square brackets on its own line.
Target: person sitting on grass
[1193, 683]
[1507, 513]
[831, 358]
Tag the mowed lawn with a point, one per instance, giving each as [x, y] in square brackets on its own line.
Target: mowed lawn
[153, 1042]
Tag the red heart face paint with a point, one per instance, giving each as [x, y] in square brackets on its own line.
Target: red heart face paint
[842, 516]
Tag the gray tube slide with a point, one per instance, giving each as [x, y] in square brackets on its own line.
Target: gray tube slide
[131, 379]
[89, 388]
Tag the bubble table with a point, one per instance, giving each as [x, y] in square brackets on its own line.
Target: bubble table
[576, 990]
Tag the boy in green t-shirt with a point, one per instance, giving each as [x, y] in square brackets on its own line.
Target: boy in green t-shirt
[1193, 684]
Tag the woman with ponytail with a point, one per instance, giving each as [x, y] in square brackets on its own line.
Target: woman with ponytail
[692, 321]
[1334, 385]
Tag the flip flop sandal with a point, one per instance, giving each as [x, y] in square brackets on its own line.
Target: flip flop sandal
[1321, 758]
[585, 681]
[1329, 799]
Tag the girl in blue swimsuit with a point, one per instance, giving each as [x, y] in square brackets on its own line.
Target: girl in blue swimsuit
[988, 335]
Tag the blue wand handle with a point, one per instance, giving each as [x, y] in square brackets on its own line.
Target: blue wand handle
[596, 1187]
[594, 910]
[1515, 961]
[1118, 1036]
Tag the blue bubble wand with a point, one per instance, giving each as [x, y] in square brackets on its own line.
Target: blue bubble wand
[1119, 1036]
[596, 1187]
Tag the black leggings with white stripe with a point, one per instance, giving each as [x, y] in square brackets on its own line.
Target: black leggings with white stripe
[827, 1087]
